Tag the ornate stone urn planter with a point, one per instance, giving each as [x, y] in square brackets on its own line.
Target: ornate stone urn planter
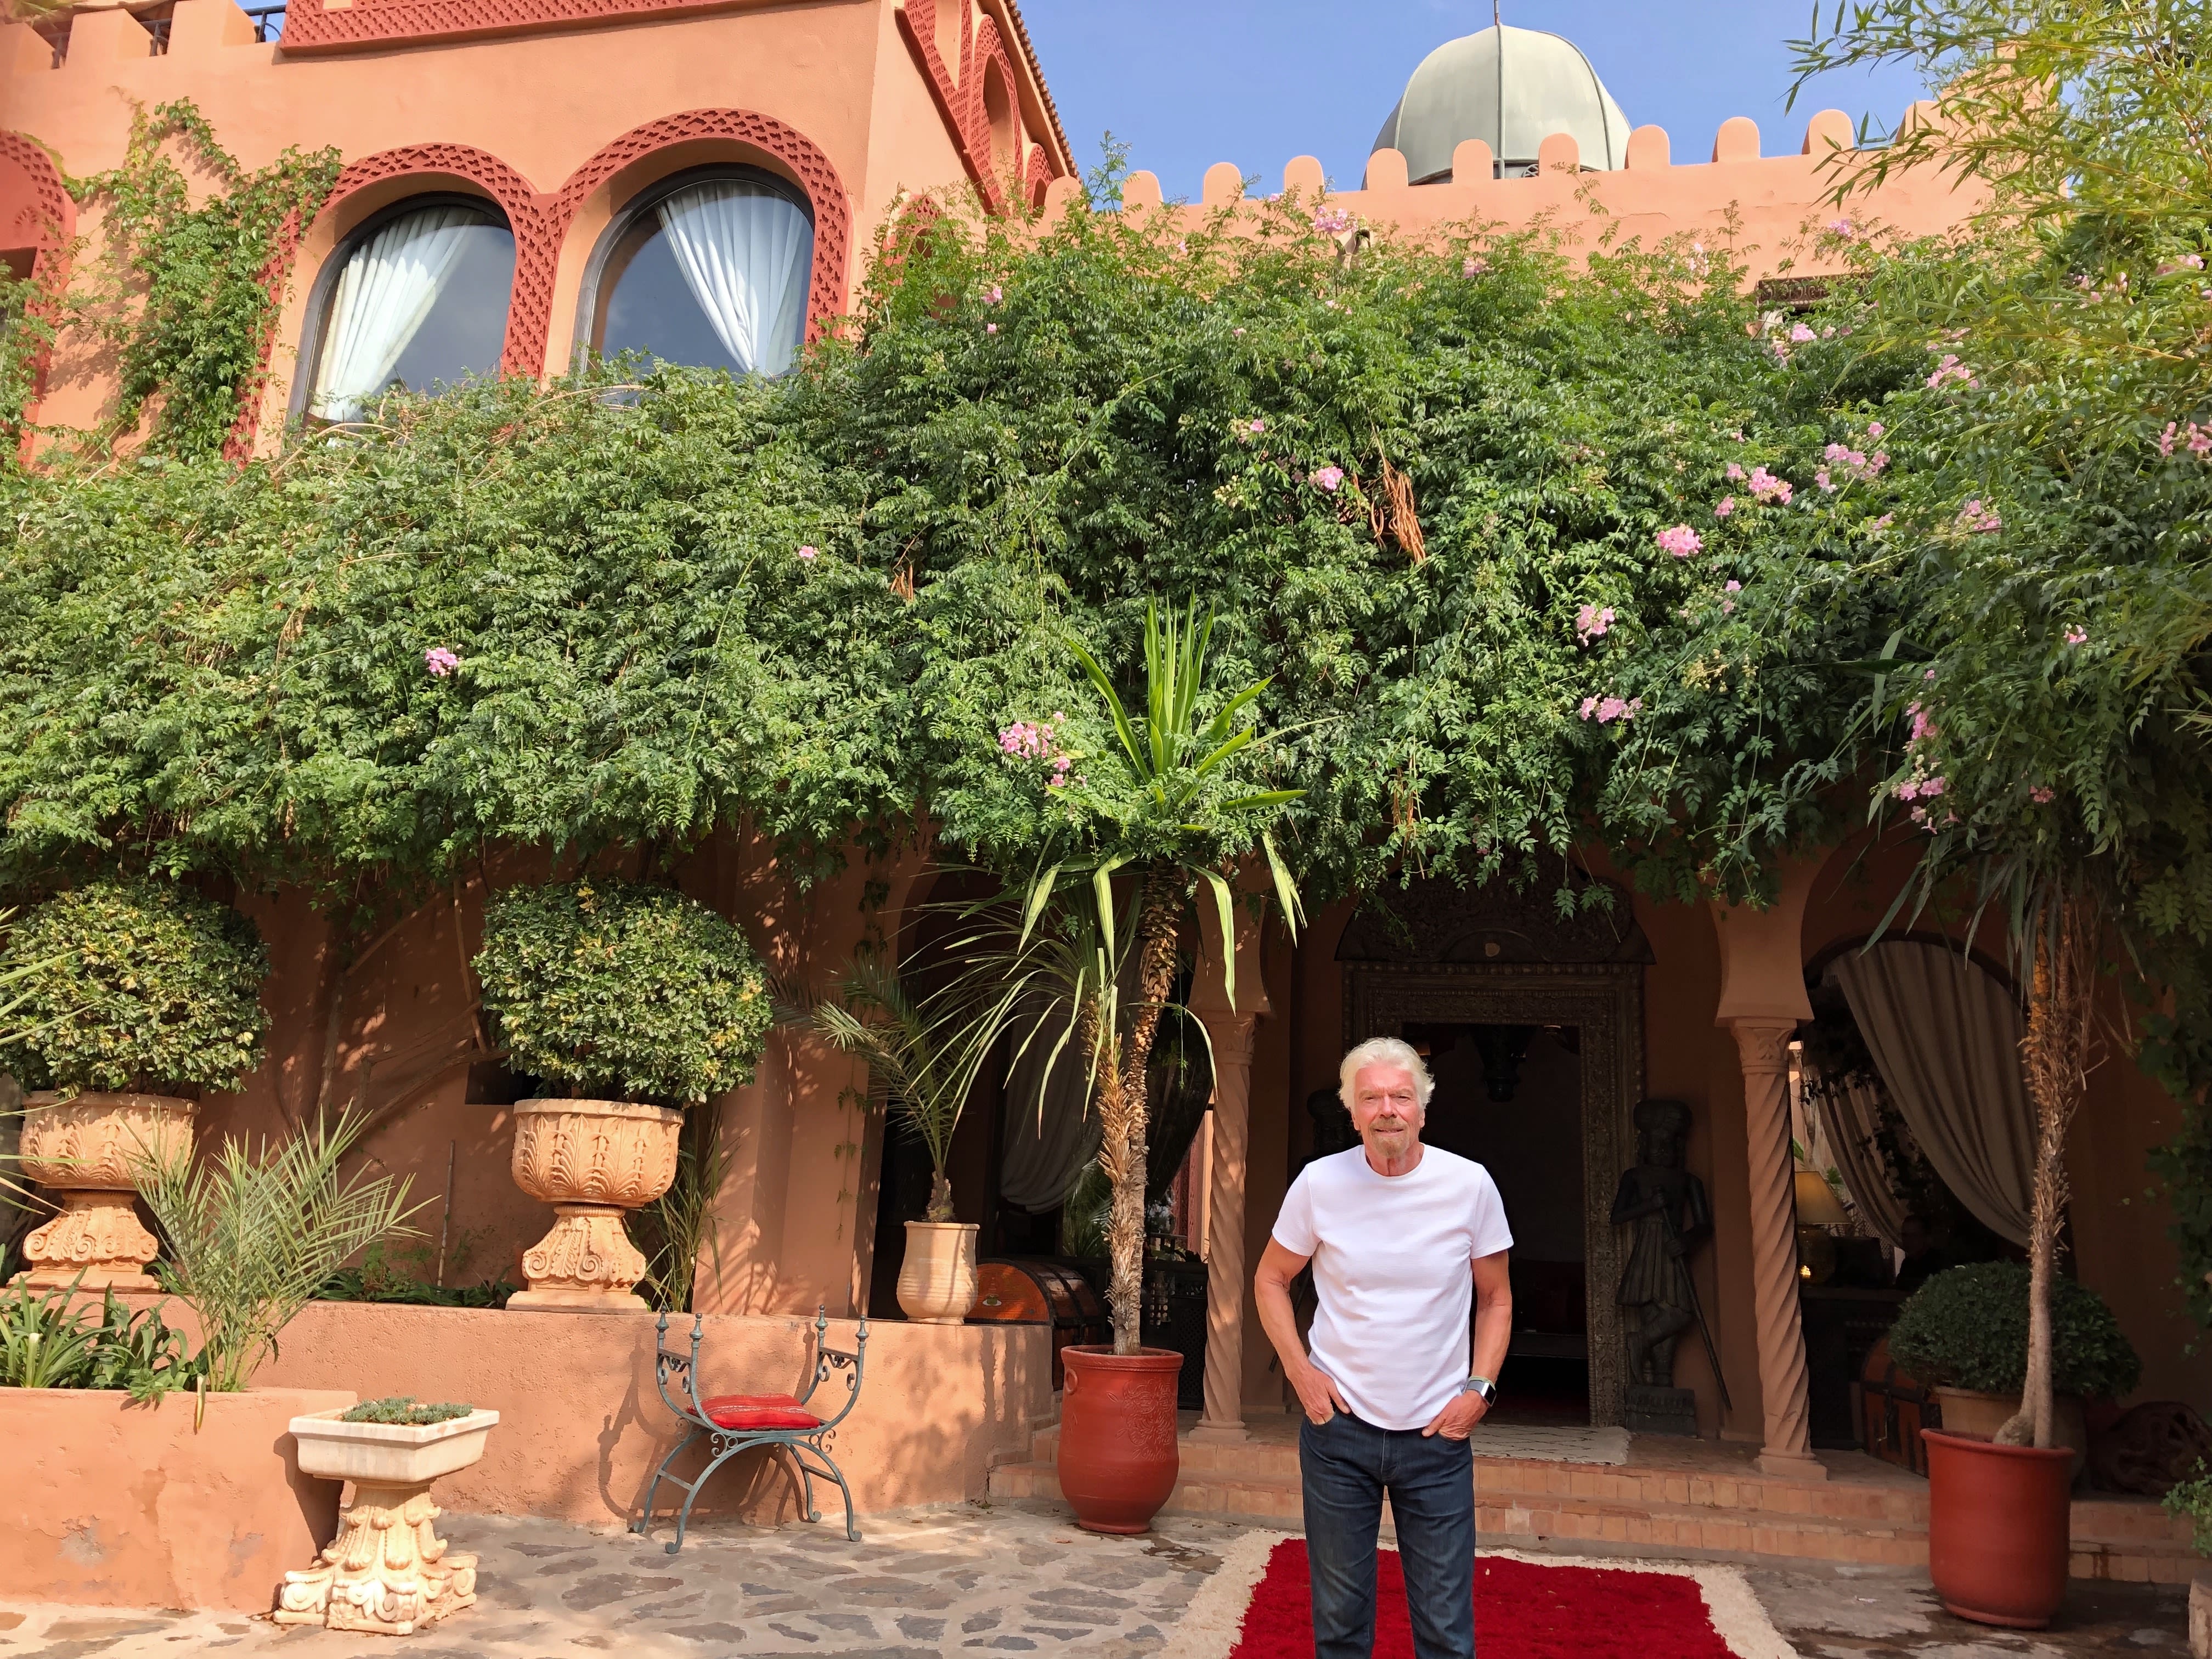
[388, 1572]
[592, 1160]
[83, 1149]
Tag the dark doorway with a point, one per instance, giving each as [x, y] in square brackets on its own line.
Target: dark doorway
[1510, 1097]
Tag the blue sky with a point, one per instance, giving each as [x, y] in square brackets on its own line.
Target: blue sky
[1190, 83]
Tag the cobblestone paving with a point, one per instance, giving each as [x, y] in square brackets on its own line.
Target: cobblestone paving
[969, 1582]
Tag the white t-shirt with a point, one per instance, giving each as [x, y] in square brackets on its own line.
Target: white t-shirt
[1393, 1262]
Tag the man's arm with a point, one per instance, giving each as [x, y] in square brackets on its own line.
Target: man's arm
[1271, 1289]
[1494, 1335]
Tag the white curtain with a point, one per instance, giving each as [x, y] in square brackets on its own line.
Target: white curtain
[1945, 1036]
[384, 295]
[1850, 1115]
[745, 252]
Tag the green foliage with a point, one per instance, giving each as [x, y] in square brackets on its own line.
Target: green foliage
[411, 1276]
[46, 1343]
[403, 1410]
[623, 992]
[682, 1226]
[2193, 1498]
[190, 293]
[27, 334]
[135, 984]
[1966, 1327]
[251, 1238]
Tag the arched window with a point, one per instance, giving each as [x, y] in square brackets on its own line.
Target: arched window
[710, 268]
[415, 299]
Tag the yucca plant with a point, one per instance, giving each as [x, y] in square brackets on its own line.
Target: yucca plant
[254, 1234]
[44, 1342]
[1167, 803]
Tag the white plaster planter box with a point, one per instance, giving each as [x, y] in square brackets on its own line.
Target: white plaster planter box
[389, 1454]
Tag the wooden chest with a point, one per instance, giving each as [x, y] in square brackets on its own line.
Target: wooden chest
[1892, 1411]
[1029, 1291]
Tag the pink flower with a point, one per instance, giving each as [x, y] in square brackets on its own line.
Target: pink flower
[1589, 707]
[1735, 472]
[1235, 332]
[1820, 478]
[2043, 794]
[2166, 438]
[1726, 507]
[1328, 478]
[1335, 222]
[810, 554]
[1922, 726]
[1884, 522]
[2200, 439]
[992, 294]
[990, 328]
[1842, 227]
[1473, 265]
[1028, 740]
[440, 661]
[1681, 541]
[1733, 587]
[2077, 636]
[1977, 520]
[1768, 488]
[1800, 335]
[1875, 429]
[1592, 621]
[1949, 370]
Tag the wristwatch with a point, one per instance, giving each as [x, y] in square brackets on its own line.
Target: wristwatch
[1483, 1386]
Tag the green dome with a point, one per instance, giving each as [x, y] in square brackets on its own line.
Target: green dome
[1512, 89]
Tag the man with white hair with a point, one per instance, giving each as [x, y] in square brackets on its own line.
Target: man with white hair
[1401, 1235]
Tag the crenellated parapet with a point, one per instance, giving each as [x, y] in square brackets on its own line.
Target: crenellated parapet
[1771, 199]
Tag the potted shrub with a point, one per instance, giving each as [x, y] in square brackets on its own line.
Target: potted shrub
[388, 1571]
[1999, 1515]
[135, 996]
[1167, 800]
[928, 1051]
[638, 1002]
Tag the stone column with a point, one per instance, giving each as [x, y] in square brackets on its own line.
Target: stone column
[1231, 1036]
[1764, 1046]
[1229, 1028]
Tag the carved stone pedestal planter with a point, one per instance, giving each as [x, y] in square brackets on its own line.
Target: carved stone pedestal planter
[388, 1572]
[590, 1160]
[83, 1149]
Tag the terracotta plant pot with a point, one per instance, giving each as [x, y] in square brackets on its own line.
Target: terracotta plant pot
[1117, 1435]
[388, 1571]
[1998, 1528]
[1966, 1411]
[937, 1277]
[85, 1149]
[590, 1160]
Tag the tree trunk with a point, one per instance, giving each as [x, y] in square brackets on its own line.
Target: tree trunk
[941, 1198]
[2057, 1055]
[1124, 1104]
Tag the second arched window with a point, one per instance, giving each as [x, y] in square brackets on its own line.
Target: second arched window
[710, 268]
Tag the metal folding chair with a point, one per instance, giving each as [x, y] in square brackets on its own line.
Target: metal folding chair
[733, 1423]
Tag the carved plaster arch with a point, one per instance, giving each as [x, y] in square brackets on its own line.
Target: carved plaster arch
[958, 89]
[812, 169]
[45, 223]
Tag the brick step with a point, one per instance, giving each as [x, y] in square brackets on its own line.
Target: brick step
[1668, 1527]
[1667, 1510]
[1264, 1463]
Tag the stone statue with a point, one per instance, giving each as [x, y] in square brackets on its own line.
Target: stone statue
[1665, 1207]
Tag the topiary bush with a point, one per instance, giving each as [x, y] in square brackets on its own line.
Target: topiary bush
[1966, 1327]
[135, 985]
[622, 992]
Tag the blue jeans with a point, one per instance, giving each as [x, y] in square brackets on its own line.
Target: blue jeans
[1347, 1464]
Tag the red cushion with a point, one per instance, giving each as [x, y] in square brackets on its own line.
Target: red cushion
[758, 1411]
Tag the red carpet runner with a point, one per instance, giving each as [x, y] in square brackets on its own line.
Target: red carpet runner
[1522, 1611]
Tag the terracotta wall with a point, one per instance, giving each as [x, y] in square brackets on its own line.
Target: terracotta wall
[516, 116]
[582, 1425]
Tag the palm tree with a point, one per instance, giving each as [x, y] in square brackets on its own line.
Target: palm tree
[1171, 815]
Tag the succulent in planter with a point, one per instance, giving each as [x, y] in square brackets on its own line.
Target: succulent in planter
[635, 1000]
[1966, 1327]
[132, 996]
[405, 1410]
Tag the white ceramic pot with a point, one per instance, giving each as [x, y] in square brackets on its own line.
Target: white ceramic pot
[937, 1279]
[590, 1160]
[389, 1454]
[86, 1150]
